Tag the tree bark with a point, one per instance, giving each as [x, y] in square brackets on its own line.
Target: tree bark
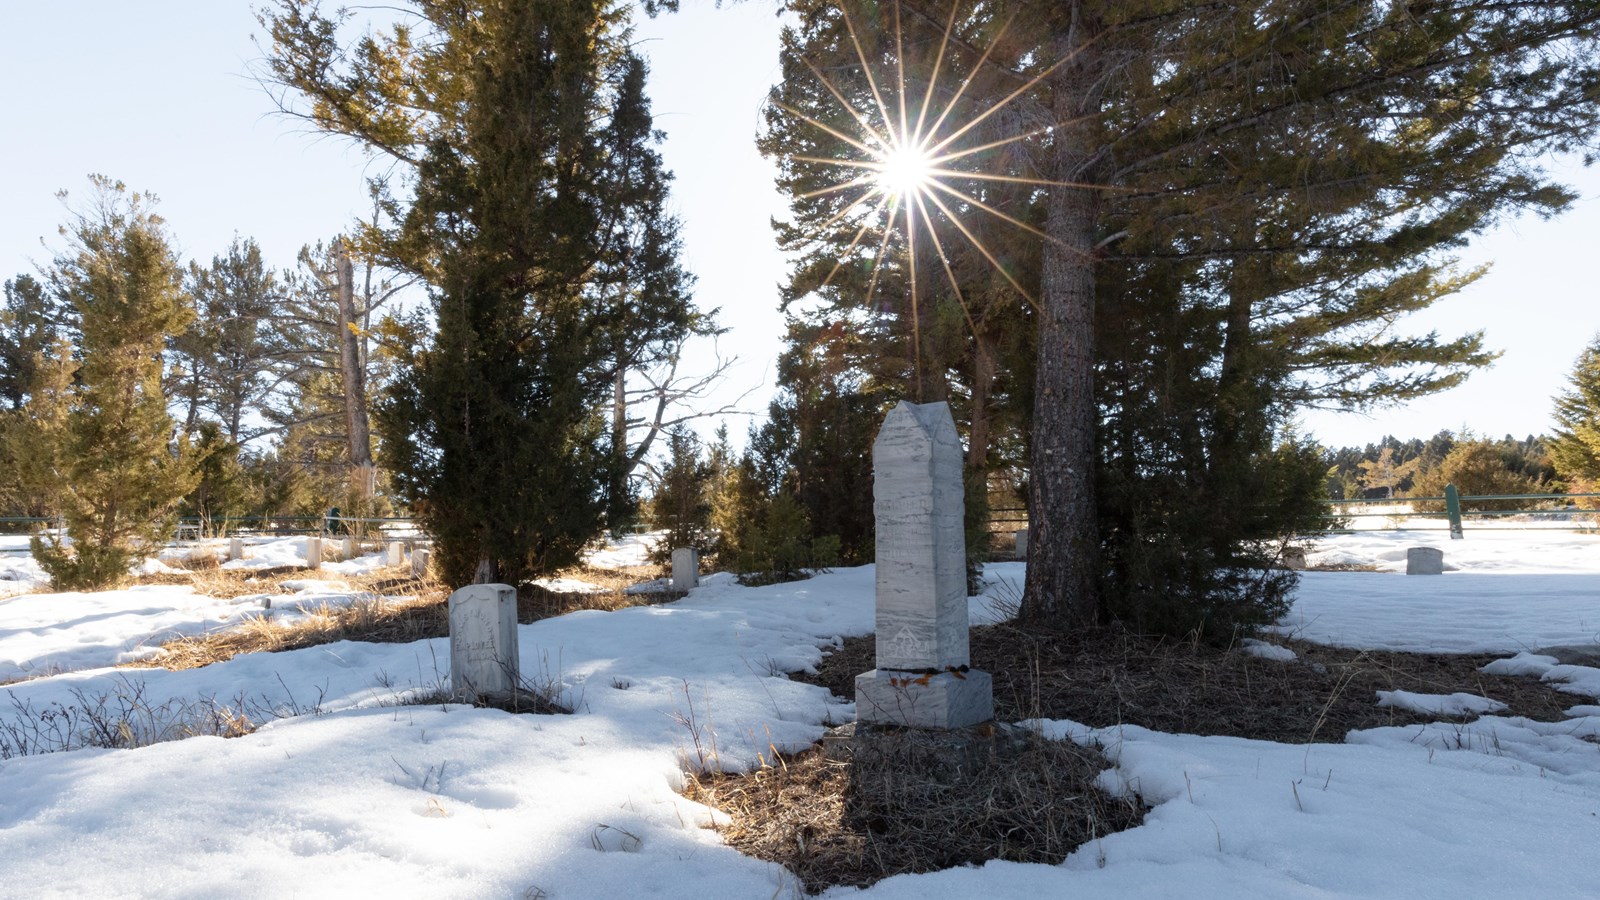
[355, 378]
[1064, 542]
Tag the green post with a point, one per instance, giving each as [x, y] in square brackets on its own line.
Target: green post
[1452, 508]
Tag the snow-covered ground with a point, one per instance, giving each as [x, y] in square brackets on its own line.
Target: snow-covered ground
[366, 796]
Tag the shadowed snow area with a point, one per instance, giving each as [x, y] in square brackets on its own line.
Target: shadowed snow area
[369, 797]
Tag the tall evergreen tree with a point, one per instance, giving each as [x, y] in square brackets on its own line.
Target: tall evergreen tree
[224, 360]
[121, 477]
[501, 115]
[1575, 447]
[30, 324]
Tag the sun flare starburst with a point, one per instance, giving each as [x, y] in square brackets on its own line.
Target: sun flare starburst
[904, 170]
[914, 167]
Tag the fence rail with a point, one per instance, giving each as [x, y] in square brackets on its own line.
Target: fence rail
[1457, 510]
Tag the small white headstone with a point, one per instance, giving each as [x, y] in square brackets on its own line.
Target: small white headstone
[483, 641]
[1294, 558]
[419, 562]
[314, 553]
[235, 548]
[397, 554]
[1424, 561]
[1022, 543]
[685, 568]
[347, 548]
[922, 679]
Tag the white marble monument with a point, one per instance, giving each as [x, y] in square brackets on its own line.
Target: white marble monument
[347, 548]
[1021, 538]
[483, 641]
[235, 548]
[685, 568]
[397, 554]
[922, 679]
[419, 563]
[314, 553]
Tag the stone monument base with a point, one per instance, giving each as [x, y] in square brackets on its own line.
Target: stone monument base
[947, 700]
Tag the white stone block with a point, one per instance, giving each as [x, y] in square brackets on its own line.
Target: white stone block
[484, 658]
[1022, 543]
[419, 562]
[235, 548]
[397, 554]
[347, 548]
[314, 553]
[685, 568]
[947, 700]
[1424, 561]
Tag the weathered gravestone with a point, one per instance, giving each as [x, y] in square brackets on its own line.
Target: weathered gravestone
[235, 548]
[419, 562]
[1294, 558]
[314, 553]
[1022, 543]
[1424, 561]
[483, 641]
[397, 554]
[685, 568]
[347, 548]
[922, 679]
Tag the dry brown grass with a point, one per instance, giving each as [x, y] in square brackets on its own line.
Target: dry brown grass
[400, 610]
[1105, 677]
[895, 805]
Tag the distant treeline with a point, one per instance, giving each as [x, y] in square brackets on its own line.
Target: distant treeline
[1421, 468]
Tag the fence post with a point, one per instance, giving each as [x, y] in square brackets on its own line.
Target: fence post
[1452, 508]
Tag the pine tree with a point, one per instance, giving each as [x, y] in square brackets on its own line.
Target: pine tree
[1575, 447]
[498, 116]
[121, 477]
[229, 362]
[30, 324]
[681, 504]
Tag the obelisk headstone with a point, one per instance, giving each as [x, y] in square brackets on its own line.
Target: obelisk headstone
[685, 568]
[483, 641]
[922, 678]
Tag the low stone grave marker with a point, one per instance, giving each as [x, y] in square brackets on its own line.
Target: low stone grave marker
[397, 554]
[922, 677]
[314, 553]
[1021, 538]
[1424, 561]
[235, 548]
[347, 548]
[484, 660]
[685, 568]
[1294, 558]
[419, 563]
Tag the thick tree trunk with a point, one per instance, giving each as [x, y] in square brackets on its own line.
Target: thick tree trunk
[355, 379]
[1064, 543]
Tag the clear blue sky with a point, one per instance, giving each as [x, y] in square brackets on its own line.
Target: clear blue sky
[159, 96]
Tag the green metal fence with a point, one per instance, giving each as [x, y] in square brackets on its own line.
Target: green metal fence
[1543, 508]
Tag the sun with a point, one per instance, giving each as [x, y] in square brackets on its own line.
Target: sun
[904, 170]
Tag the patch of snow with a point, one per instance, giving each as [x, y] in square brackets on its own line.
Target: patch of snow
[1267, 650]
[1523, 663]
[1454, 705]
[569, 586]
